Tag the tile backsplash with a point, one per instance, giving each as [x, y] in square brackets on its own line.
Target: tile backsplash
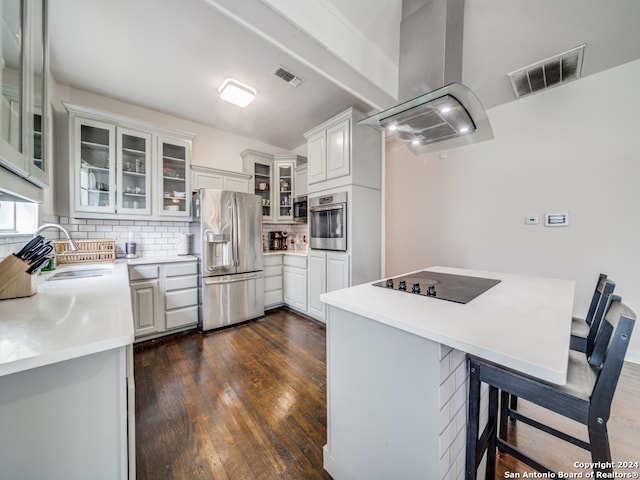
[153, 238]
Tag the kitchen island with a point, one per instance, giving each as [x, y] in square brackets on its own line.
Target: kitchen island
[66, 377]
[396, 370]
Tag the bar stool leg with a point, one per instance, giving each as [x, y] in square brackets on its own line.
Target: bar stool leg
[492, 425]
[473, 420]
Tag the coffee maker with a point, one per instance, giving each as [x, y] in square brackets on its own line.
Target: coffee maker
[277, 241]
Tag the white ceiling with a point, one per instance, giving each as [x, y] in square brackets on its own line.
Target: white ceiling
[171, 55]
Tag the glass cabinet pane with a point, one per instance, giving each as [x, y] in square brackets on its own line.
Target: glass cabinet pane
[135, 173]
[11, 73]
[37, 83]
[262, 186]
[95, 167]
[285, 176]
[174, 178]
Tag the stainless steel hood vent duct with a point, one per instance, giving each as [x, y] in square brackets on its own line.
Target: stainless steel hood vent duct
[449, 115]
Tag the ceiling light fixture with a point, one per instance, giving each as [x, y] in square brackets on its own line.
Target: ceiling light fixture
[237, 93]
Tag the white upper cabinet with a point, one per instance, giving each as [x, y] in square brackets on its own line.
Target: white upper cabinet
[174, 193]
[94, 166]
[23, 77]
[260, 166]
[342, 152]
[38, 118]
[134, 171]
[120, 166]
[317, 157]
[338, 150]
[284, 182]
[206, 177]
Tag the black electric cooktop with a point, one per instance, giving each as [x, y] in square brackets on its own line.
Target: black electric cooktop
[445, 286]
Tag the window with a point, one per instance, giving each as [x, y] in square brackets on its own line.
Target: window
[18, 218]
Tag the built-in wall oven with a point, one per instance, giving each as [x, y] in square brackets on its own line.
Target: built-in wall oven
[328, 222]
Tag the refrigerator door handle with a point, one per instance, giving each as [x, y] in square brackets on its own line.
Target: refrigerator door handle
[219, 280]
[236, 226]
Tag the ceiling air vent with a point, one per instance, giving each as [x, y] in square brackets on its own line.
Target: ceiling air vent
[547, 73]
[287, 76]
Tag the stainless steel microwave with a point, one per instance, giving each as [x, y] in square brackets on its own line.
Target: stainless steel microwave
[328, 222]
[300, 209]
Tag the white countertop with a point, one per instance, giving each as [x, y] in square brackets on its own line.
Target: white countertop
[302, 252]
[523, 322]
[168, 259]
[66, 319]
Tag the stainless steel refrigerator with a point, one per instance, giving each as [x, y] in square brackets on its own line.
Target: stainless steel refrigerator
[227, 234]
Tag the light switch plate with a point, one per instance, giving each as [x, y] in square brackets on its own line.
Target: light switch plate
[556, 219]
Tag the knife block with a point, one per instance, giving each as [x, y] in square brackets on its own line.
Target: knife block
[15, 282]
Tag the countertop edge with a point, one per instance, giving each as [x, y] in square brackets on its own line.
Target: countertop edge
[58, 356]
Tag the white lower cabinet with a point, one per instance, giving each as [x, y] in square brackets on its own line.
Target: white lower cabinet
[73, 419]
[327, 271]
[273, 293]
[295, 282]
[164, 297]
[145, 298]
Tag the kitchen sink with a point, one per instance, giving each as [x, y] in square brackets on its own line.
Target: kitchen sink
[89, 272]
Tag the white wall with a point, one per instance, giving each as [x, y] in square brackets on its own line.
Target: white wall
[211, 147]
[571, 149]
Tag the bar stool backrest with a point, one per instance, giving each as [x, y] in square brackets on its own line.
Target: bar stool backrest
[596, 313]
[608, 355]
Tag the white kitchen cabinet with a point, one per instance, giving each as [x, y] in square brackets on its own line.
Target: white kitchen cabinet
[145, 299]
[342, 152]
[317, 157]
[121, 167]
[273, 281]
[329, 152]
[173, 177]
[338, 150]
[284, 182]
[181, 294]
[301, 179]
[260, 166]
[338, 274]
[133, 168]
[93, 165]
[327, 271]
[72, 419]
[24, 120]
[205, 177]
[295, 282]
[164, 297]
[274, 181]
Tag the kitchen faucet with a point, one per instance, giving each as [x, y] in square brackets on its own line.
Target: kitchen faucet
[72, 245]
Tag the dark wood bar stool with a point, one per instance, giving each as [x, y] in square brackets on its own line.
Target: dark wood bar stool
[585, 398]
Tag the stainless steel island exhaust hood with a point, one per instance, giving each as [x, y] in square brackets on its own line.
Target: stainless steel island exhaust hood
[449, 115]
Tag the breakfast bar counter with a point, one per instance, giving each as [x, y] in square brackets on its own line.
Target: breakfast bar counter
[396, 375]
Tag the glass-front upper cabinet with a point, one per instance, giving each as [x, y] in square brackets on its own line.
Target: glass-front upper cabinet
[37, 112]
[174, 192]
[95, 166]
[284, 170]
[12, 80]
[260, 166]
[134, 171]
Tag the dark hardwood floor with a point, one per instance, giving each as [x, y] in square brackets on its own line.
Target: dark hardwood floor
[249, 403]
